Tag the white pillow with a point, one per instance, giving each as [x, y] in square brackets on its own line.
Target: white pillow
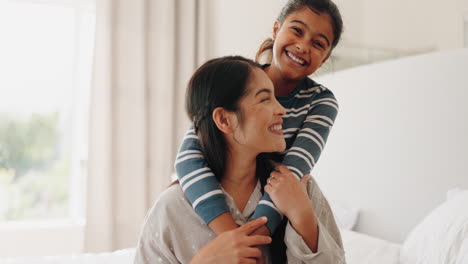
[440, 236]
[346, 217]
[463, 254]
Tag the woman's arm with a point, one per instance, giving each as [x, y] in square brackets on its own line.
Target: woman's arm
[201, 187]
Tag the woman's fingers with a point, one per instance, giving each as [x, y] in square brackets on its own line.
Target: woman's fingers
[258, 240]
[249, 261]
[253, 225]
[252, 252]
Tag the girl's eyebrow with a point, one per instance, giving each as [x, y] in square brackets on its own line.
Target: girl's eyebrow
[262, 90]
[307, 27]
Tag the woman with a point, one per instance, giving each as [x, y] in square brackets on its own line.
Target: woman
[238, 120]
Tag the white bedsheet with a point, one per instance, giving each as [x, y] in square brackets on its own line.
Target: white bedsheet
[359, 248]
[124, 256]
[364, 249]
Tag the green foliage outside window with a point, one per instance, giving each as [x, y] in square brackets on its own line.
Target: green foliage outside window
[33, 169]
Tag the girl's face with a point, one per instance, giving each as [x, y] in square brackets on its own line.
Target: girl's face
[260, 126]
[302, 43]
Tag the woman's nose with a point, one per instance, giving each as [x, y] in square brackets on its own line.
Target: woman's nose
[280, 109]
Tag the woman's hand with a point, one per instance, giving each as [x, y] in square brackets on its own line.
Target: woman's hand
[235, 246]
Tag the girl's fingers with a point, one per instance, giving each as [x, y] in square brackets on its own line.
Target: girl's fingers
[253, 225]
[305, 178]
[282, 169]
[275, 174]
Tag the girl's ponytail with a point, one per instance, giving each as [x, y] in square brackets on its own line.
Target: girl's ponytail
[261, 57]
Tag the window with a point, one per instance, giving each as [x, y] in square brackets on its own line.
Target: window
[465, 30]
[46, 57]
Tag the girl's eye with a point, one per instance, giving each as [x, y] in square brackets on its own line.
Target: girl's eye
[318, 44]
[264, 100]
[297, 30]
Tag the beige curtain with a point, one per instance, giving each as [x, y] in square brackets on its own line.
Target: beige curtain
[145, 52]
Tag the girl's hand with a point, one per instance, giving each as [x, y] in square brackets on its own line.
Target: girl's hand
[290, 197]
[289, 194]
[235, 246]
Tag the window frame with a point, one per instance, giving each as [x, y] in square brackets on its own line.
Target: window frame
[30, 234]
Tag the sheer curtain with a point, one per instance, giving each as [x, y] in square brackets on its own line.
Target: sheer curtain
[145, 52]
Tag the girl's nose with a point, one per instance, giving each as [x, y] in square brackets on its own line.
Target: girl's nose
[301, 48]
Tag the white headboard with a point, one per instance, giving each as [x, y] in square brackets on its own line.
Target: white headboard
[400, 140]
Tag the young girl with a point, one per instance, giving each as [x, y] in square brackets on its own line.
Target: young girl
[231, 102]
[304, 36]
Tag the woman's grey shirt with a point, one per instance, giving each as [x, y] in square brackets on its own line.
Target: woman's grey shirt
[174, 233]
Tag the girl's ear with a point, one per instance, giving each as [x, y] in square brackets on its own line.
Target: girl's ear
[326, 58]
[224, 120]
[276, 27]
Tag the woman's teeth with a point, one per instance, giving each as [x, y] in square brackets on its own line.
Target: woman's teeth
[276, 128]
[294, 58]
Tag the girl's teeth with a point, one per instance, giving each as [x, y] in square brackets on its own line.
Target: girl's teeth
[294, 58]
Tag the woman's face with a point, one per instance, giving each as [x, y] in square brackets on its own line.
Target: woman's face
[260, 126]
[302, 43]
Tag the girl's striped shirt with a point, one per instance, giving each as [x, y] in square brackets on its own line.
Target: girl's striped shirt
[311, 110]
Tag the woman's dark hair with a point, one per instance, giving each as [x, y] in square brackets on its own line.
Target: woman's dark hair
[222, 82]
[320, 6]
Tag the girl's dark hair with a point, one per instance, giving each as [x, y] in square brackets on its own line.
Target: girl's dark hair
[320, 6]
[222, 82]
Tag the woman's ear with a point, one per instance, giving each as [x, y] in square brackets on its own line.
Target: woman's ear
[224, 120]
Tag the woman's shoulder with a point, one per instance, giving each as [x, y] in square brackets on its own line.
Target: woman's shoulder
[170, 193]
[320, 202]
[167, 205]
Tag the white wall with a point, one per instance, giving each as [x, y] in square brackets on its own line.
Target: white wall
[399, 142]
[238, 27]
[413, 24]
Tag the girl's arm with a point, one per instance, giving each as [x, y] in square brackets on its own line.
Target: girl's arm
[311, 235]
[200, 185]
[310, 139]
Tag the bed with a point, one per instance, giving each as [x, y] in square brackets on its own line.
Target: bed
[360, 249]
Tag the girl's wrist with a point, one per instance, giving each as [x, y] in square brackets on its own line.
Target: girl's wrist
[302, 216]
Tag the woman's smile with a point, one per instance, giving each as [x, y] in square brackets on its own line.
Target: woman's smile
[277, 128]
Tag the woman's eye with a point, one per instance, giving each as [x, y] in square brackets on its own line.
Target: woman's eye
[264, 100]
